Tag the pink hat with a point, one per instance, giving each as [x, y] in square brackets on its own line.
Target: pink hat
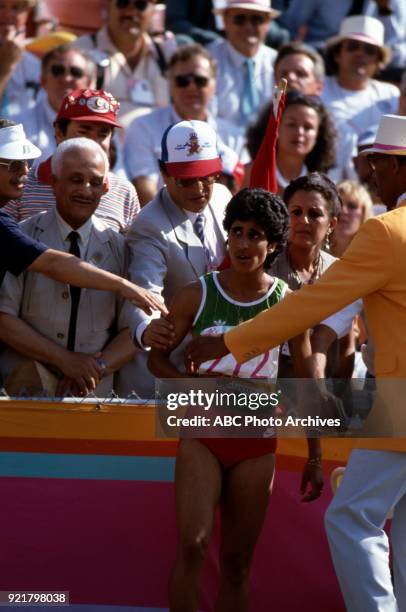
[259, 6]
[189, 150]
[90, 105]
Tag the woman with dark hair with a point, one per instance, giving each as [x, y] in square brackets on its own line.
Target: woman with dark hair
[236, 474]
[307, 138]
[314, 206]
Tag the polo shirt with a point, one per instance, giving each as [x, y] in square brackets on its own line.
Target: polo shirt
[17, 250]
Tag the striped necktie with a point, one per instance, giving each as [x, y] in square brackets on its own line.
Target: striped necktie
[73, 237]
[198, 226]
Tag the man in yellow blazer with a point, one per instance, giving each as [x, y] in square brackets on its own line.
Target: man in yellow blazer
[372, 268]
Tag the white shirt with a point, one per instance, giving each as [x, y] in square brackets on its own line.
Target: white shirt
[143, 87]
[84, 232]
[142, 147]
[22, 86]
[354, 113]
[230, 77]
[38, 124]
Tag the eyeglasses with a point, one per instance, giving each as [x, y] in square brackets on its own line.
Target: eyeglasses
[184, 80]
[58, 70]
[16, 165]
[139, 5]
[356, 45]
[255, 20]
[189, 182]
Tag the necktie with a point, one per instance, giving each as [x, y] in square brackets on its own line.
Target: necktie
[250, 97]
[73, 237]
[199, 231]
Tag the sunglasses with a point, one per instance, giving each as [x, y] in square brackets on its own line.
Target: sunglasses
[356, 45]
[184, 80]
[16, 165]
[139, 5]
[189, 182]
[255, 20]
[58, 70]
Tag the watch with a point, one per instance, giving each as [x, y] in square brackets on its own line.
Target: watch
[102, 365]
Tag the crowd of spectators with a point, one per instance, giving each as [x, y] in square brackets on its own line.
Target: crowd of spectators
[122, 87]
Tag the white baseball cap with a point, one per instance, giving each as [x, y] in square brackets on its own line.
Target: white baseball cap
[390, 138]
[15, 145]
[189, 150]
[366, 29]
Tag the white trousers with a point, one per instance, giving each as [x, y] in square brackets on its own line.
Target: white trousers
[374, 482]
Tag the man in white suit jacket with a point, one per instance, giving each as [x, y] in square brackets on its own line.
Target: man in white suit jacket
[36, 311]
[166, 252]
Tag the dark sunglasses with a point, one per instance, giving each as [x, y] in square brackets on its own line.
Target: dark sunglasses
[356, 45]
[184, 80]
[255, 20]
[140, 5]
[58, 70]
[16, 165]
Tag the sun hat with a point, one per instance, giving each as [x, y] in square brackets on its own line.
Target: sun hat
[90, 105]
[390, 138]
[189, 150]
[15, 145]
[260, 6]
[366, 29]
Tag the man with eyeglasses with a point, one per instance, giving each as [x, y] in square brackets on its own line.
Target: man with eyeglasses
[192, 81]
[133, 64]
[64, 69]
[19, 69]
[244, 64]
[355, 99]
[179, 235]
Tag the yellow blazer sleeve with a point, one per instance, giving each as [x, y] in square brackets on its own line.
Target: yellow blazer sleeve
[365, 267]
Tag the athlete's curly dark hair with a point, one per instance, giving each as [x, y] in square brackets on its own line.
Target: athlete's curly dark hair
[267, 210]
[323, 155]
[316, 181]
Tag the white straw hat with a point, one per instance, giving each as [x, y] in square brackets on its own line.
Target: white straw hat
[390, 138]
[259, 6]
[365, 29]
[15, 145]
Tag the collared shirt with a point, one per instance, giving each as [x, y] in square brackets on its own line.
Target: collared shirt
[401, 198]
[118, 207]
[141, 87]
[230, 77]
[84, 232]
[141, 154]
[39, 128]
[211, 242]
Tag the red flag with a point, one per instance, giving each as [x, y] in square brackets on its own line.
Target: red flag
[263, 172]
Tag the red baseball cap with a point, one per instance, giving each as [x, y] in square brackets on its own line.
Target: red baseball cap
[90, 105]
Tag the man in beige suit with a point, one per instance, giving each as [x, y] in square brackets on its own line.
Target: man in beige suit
[81, 334]
[374, 268]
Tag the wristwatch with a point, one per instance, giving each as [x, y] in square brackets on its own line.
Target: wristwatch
[102, 365]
